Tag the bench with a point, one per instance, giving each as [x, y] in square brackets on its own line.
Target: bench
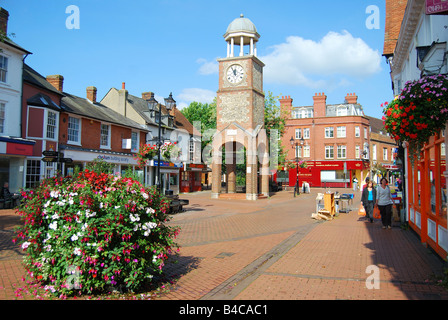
[5, 204]
[176, 204]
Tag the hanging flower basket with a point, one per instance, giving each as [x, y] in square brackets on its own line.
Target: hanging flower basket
[418, 113]
[146, 152]
[169, 150]
[293, 164]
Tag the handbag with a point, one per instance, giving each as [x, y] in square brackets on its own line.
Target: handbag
[376, 212]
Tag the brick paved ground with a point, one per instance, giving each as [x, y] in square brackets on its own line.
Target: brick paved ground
[272, 249]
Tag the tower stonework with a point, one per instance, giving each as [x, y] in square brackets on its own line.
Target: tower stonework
[240, 113]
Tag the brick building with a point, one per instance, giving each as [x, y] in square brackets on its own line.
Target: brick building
[333, 139]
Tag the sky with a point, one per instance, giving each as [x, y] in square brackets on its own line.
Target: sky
[168, 46]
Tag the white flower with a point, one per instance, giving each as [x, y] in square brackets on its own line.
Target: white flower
[74, 237]
[147, 227]
[53, 225]
[51, 288]
[135, 217]
[145, 195]
[70, 201]
[117, 207]
[48, 247]
[101, 205]
[77, 251]
[54, 194]
[48, 238]
[47, 203]
[25, 245]
[89, 215]
[150, 210]
[84, 227]
[55, 216]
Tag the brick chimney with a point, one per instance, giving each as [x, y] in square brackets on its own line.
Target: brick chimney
[320, 104]
[91, 93]
[286, 106]
[56, 81]
[351, 98]
[4, 16]
[146, 95]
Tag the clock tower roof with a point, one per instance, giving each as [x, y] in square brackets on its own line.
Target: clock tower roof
[242, 26]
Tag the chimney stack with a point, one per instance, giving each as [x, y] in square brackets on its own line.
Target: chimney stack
[122, 99]
[320, 104]
[4, 16]
[351, 98]
[146, 95]
[286, 105]
[91, 93]
[56, 81]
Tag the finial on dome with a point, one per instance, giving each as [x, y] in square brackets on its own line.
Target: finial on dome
[241, 15]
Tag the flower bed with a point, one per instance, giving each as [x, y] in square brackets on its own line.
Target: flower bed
[94, 232]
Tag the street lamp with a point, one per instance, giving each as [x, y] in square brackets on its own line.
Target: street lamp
[155, 106]
[295, 146]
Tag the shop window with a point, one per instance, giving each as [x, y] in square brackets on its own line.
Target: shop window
[32, 173]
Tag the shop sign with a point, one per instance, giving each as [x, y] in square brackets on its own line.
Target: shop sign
[20, 149]
[436, 6]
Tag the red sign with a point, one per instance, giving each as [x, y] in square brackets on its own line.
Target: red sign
[436, 6]
[19, 148]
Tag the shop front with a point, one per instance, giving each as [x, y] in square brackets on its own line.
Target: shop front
[13, 153]
[427, 196]
[122, 162]
[330, 174]
[191, 177]
[169, 172]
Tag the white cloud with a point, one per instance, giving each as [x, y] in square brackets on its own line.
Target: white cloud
[313, 64]
[189, 95]
[208, 67]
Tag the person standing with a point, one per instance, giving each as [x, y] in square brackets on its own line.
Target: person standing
[385, 202]
[368, 200]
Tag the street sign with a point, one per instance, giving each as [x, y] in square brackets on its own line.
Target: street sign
[50, 159]
[50, 153]
[67, 160]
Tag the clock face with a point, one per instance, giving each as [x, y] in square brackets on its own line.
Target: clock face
[235, 73]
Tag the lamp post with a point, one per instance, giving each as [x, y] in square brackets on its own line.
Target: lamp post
[154, 106]
[295, 145]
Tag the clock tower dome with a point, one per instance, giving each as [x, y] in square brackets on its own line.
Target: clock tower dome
[240, 111]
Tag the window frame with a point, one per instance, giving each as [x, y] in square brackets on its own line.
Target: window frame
[102, 136]
[78, 130]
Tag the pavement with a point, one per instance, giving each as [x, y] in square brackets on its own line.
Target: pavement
[272, 249]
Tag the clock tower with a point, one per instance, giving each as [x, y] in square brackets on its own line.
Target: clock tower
[240, 113]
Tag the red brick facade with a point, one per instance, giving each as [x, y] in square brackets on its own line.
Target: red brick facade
[333, 142]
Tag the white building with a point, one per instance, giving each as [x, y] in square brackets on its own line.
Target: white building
[13, 148]
[416, 45]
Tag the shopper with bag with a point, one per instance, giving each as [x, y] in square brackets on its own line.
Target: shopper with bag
[368, 200]
[385, 202]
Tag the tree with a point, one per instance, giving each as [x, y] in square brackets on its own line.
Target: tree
[205, 113]
[275, 119]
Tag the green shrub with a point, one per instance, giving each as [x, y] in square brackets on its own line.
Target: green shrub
[94, 232]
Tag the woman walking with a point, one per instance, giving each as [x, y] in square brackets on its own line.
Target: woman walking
[384, 202]
[368, 200]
